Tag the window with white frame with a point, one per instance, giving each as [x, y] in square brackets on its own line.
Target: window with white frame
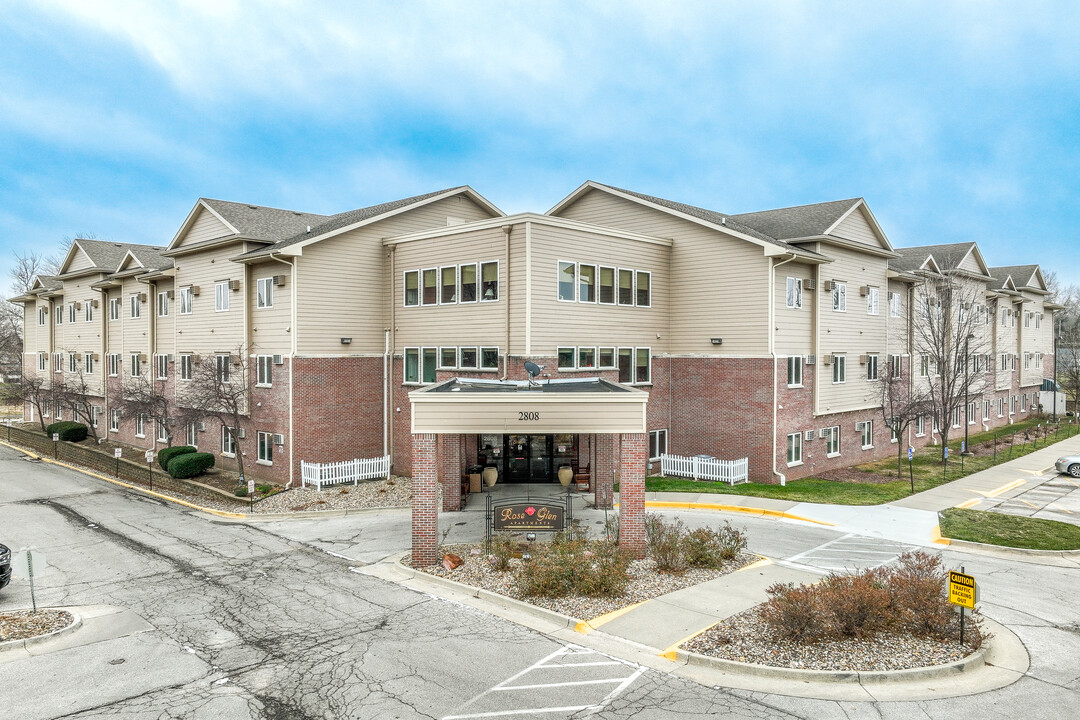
[872, 367]
[88, 363]
[586, 359]
[644, 285]
[88, 310]
[42, 361]
[1012, 404]
[894, 429]
[187, 300]
[113, 360]
[920, 426]
[606, 283]
[567, 281]
[896, 364]
[986, 410]
[489, 281]
[1001, 407]
[411, 285]
[114, 308]
[136, 365]
[429, 290]
[867, 436]
[1038, 360]
[264, 374]
[135, 305]
[411, 365]
[448, 358]
[140, 425]
[162, 432]
[468, 358]
[221, 296]
[586, 283]
[58, 410]
[1027, 319]
[626, 287]
[961, 312]
[71, 312]
[264, 292]
[794, 292]
[657, 444]
[163, 304]
[468, 283]
[114, 421]
[976, 362]
[223, 367]
[794, 449]
[58, 362]
[565, 356]
[924, 366]
[73, 364]
[191, 435]
[161, 367]
[872, 301]
[642, 366]
[956, 417]
[228, 441]
[839, 369]
[187, 366]
[42, 316]
[59, 314]
[839, 296]
[972, 408]
[266, 448]
[894, 304]
[606, 358]
[489, 358]
[1038, 320]
[448, 285]
[832, 441]
[794, 370]
[1023, 402]
[429, 360]
[1027, 361]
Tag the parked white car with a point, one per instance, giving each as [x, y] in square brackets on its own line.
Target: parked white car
[1069, 464]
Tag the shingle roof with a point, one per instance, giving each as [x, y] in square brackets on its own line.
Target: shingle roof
[335, 222]
[50, 282]
[711, 216]
[264, 223]
[797, 222]
[108, 255]
[947, 257]
[1020, 275]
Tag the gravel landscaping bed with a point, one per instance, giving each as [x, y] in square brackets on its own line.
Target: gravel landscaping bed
[23, 624]
[395, 492]
[645, 582]
[746, 638]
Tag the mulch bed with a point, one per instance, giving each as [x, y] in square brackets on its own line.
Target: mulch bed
[23, 624]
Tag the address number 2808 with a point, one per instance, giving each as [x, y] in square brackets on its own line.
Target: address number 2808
[526, 415]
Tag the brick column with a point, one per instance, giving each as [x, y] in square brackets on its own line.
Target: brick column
[633, 456]
[450, 471]
[425, 500]
[603, 465]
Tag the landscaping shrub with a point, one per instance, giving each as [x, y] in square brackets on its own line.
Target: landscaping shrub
[854, 606]
[240, 491]
[68, 430]
[499, 548]
[665, 544]
[709, 548]
[264, 489]
[191, 464]
[571, 566]
[169, 453]
[791, 611]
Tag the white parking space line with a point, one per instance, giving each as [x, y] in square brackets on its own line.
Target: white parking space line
[523, 694]
[845, 553]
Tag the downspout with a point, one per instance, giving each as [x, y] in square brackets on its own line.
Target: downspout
[505, 293]
[292, 357]
[105, 354]
[911, 354]
[386, 389]
[772, 352]
[391, 337]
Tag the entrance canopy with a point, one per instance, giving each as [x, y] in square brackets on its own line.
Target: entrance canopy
[584, 405]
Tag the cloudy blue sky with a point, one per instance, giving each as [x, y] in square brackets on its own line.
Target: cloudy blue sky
[956, 121]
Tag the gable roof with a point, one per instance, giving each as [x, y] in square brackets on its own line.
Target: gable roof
[258, 222]
[801, 221]
[710, 218]
[1022, 276]
[945, 258]
[342, 222]
[106, 256]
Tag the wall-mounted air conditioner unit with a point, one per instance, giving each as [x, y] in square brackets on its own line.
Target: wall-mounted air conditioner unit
[864, 290]
[240, 434]
[810, 284]
[827, 359]
[94, 303]
[234, 284]
[142, 297]
[863, 359]
[279, 280]
[195, 289]
[827, 286]
[279, 439]
[200, 427]
[279, 360]
[808, 435]
[170, 294]
[825, 433]
[811, 359]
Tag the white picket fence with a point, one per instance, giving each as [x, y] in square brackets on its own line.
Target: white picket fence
[699, 468]
[319, 474]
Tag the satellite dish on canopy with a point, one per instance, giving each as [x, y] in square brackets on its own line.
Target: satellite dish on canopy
[532, 368]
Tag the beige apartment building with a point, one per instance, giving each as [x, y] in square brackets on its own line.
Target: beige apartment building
[762, 335]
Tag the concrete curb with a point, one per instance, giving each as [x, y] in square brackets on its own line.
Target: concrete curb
[308, 514]
[974, 661]
[26, 643]
[1006, 550]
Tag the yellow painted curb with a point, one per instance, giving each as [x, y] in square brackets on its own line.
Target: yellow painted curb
[998, 491]
[672, 651]
[968, 503]
[937, 538]
[756, 564]
[732, 508]
[587, 626]
[91, 473]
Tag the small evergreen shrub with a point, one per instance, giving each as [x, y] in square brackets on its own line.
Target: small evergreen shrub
[191, 464]
[68, 430]
[169, 453]
[240, 491]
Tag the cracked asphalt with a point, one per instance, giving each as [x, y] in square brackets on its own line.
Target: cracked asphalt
[263, 621]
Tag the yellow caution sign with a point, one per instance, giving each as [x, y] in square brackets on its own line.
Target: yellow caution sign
[962, 590]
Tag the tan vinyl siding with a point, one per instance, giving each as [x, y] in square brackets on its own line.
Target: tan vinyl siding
[1005, 342]
[855, 227]
[794, 326]
[341, 290]
[852, 333]
[723, 281]
[114, 328]
[81, 261]
[556, 323]
[501, 415]
[898, 326]
[971, 264]
[164, 332]
[136, 331]
[204, 227]
[205, 330]
[464, 324]
[271, 328]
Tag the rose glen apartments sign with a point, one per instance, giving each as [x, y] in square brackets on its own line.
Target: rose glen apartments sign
[544, 517]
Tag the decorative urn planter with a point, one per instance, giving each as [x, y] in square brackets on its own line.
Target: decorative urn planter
[490, 476]
[566, 474]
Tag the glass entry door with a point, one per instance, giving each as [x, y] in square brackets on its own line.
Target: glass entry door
[539, 458]
[517, 458]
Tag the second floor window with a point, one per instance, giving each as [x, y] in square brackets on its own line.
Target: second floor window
[839, 297]
[114, 309]
[224, 368]
[72, 363]
[136, 366]
[88, 308]
[221, 296]
[794, 370]
[265, 374]
[187, 367]
[871, 367]
[59, 314]
[794, 292]
[894, 304]
[187, 298]
[839, 369]
[88, 363]
[162, 363]
[114, 364]
[42, 316]
[136, 306]
[163, 304]
[489, 281]
[264, 292]
[872, 301]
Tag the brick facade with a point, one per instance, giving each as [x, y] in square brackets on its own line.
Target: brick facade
[425, 500]
[634, 453]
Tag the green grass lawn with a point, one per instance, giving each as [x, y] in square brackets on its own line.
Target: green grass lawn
[1009, 530]
[927, 469]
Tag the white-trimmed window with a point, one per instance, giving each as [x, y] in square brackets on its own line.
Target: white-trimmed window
[221, 296]
[986, 410]
[58, 362]
[657, 444]
[832, 441]
[264, 374]
[161, 366]
[794, 449]
[1027, 318]
[626, 287]
[1012, 404]
[894, 429]
[448, 285]
[42, 361]
[468, 358]
[114, 308]
[606, 282]
[88, 363]
[88, 310]
[59, 410]
[187, 300]
[871, 367]
[412, 288]
[567, 281]
[448, 358]
[644, 289]
[566, 357]
[794, 370]
[920, 426]
[839, 296]
[73, 364]
[187, 366]
[266, 448]
[872, 301]
[411, 365]
[429, 361]
[489, 358]
[1027, 361]
[1038, 320]
[224, 367]
[71, 312]
[429, 279]
[586, 283]
[866, 428]
[114, 421]
[59, 314]
[896, 364]
[191, 435]
[642, 365]
[264, 292]
[1024, 402]
[136, 365]
[605, 358]
[894, 304]
[586, 358]
[956, 417]
[489, 281]
[1001, 407]
[140, 425]
[162, 432]
[114, 364]
[467, 273]
[135, 305]
[972, 408]
[163, 304]
[42, 316]
[839, 369]
[1038, 360]
[794, 292]
[228, 442]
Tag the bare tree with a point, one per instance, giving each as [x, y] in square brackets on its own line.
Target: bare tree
[143, 396]
[901, 405]
[219, 389]
[11, 339]
[950, 331]
[35, 391]
[1068, 364]
[75, 392]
